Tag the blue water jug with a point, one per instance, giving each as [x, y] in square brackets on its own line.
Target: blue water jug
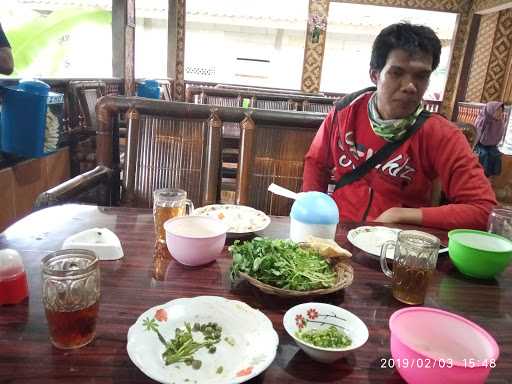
[313, 214]
[149, 89]
[24, 117]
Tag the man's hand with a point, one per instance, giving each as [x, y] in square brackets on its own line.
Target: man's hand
[401, 216]
[6, 61]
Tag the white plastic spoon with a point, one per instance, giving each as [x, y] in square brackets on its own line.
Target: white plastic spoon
[281, 191]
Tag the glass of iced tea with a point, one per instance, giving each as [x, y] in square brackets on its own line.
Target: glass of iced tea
[414, 263]
[71, 292]
[169, 203]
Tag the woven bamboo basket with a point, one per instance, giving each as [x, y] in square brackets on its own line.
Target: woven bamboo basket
[344, 278]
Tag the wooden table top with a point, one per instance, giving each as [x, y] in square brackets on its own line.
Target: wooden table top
[136, 282]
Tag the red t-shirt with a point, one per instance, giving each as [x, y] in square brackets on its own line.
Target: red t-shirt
[438, 150]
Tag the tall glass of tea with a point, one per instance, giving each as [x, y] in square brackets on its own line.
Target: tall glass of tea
[169, 203]
[414, 263]
[71, 293]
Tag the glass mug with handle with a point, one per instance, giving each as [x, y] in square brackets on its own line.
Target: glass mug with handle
[500, 222]
[414, 263]
[169, 203]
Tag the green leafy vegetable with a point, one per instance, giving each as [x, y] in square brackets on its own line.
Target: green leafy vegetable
[282, 264]
[330, 337]
[182, 347]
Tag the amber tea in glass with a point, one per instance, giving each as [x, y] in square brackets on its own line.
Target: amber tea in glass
[71, 292]
[414, 263]
[169, 203]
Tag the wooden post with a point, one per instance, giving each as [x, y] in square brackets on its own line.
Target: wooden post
[176, 46]
[213, 161]
[123, 43]
[246, 159]
[314, 51]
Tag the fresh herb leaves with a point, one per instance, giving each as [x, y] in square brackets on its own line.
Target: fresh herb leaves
[182, 347]
[282, 264]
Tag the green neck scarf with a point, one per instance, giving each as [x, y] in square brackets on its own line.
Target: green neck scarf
[390, 130]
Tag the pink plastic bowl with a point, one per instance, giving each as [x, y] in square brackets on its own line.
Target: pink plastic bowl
[195, 240]
[429, 345]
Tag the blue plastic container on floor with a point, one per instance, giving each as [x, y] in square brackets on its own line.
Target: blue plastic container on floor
[24, 119]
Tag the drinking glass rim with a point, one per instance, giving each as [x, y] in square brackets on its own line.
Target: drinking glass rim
[431, 239]
[180, 193]
[63, 253]
[502, 211]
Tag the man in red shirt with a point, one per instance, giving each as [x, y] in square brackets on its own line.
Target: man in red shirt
[399, 189]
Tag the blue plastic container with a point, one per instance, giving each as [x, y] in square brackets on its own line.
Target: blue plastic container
[24, 117]
[313, 214]
[149, 89]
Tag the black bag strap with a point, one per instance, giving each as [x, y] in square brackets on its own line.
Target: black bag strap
[382, 154]
[347, 99]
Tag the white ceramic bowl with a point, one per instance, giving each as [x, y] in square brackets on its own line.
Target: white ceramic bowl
[321, 315]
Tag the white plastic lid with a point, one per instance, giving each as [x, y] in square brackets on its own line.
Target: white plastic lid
[11, 264]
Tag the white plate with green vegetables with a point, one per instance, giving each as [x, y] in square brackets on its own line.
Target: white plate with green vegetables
[205, 339]
[325, 332]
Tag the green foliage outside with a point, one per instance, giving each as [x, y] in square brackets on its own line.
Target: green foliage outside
[30, 39]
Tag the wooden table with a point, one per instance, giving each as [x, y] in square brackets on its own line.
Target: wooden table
[137, 282]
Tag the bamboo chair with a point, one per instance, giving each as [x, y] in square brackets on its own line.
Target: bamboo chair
[318, 106]
[84, 95]
[272, 151]
[169, 145]
[87, 93]
[167, 87]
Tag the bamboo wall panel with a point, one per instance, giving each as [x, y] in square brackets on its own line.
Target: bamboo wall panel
[483, 5]
[314, 52]
[454, 72]
[500, 53]
[480, 61]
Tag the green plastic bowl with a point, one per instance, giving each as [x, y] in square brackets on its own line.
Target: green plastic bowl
[479, 254]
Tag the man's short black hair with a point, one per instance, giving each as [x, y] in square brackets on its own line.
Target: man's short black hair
[409, 37]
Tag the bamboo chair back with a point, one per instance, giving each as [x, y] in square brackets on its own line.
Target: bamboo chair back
[167, 87]
[319, 107]
[87, 93]
[169, 145]
[272, 151]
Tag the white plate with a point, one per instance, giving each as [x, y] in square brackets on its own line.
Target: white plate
[370, 239]
[239, 218]
[254, 349]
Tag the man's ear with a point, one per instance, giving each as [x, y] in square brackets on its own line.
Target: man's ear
[374, 76]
